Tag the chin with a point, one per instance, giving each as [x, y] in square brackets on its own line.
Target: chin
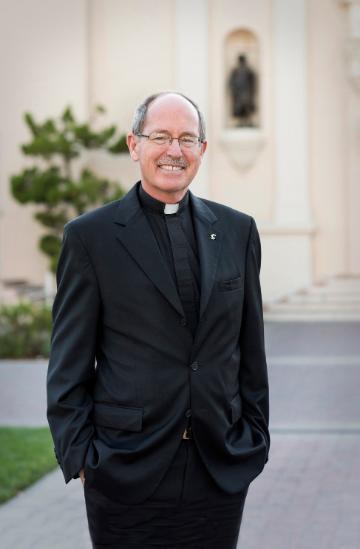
[166, 184]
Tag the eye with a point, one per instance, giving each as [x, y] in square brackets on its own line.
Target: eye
[159, 138]
[188, 140]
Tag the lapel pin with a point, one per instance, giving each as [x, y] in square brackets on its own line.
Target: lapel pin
[213, 236]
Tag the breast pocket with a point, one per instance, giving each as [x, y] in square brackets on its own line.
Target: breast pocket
[230, 284]
[118, 417]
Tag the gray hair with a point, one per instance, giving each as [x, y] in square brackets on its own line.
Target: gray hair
[141, 111]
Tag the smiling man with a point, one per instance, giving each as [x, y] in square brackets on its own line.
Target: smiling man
[173, 124]
[157, 380]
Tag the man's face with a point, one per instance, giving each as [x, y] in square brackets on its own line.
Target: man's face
[167, 170]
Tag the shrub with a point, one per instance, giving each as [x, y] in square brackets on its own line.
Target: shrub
[25, 330]
[60, 183]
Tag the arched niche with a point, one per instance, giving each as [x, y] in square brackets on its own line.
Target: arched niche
[242, 138]
[242, 42]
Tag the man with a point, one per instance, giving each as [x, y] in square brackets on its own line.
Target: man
[160, 289]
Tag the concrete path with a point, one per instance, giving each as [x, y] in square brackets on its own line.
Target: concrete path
[308, 496]
[48, 515]
[23, 392]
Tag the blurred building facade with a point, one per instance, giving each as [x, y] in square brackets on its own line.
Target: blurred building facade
[296, 169]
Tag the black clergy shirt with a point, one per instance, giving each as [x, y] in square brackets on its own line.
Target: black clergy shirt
[154, 211]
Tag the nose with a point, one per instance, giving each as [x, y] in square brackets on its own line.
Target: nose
[174, 148]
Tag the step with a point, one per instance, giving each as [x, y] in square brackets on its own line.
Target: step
[336, 299]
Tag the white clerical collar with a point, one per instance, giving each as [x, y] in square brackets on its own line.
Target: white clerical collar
[171, 208]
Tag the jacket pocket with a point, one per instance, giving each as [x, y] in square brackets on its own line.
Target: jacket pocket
[116, 416]
[236, 407]
[231, 284]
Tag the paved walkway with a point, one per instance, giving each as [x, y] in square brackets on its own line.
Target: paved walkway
[308, 496]
[49, 515]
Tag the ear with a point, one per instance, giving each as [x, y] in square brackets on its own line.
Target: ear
[203, 148]
[132, 144]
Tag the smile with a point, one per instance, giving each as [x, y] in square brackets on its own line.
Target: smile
[170, 168]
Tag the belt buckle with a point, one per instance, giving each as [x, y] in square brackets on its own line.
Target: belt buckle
[187, 434]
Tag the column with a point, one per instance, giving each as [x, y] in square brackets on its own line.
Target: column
[291, 113]
[191, 65]
[353, 124]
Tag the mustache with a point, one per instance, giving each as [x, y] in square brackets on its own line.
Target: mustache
[177, 163]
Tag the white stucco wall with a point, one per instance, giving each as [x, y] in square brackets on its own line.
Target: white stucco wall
[43, 67]
[132, 53]
[301, 187]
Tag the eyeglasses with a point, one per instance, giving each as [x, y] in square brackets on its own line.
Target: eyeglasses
[186, 141]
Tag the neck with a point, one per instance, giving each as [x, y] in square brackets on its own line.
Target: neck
[167, 197]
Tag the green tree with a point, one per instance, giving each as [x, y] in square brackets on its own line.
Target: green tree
[59, 182]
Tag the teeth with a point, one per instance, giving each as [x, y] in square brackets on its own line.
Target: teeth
[170, 168]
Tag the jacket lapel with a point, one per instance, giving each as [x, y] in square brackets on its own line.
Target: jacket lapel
[134, 232]
[209, 241]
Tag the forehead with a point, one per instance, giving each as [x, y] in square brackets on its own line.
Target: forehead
[172, 113]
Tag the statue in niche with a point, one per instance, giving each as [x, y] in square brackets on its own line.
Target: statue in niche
[242, 85]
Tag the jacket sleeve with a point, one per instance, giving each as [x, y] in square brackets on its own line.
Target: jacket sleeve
[71, 369]
[254, 386]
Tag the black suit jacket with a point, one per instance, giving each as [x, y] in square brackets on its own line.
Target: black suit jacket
[117, 307]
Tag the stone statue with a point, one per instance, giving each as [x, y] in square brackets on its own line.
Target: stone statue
[242, 85]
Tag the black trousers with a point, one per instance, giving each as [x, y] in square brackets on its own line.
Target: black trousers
[187, 510]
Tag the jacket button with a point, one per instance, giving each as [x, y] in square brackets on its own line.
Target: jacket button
[194, 366]
[183, 322]
[188, 413]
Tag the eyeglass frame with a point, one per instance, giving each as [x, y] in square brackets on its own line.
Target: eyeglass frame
[171, 139]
